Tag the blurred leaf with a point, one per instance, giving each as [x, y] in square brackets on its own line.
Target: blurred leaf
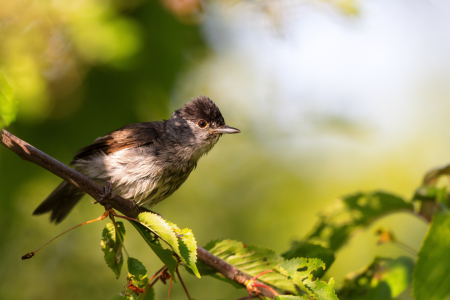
[251, 260]
[137, 272]
[165, 255]
[299, 271]
[384, 278]
[8, 105]
[431, 274]
[188, 247]
[433, 175]
[284, 297]
[432, 193]
[426, 193]
[150, 295]
[160, 228]
[340, 220]
[310, 250]
[111, 243]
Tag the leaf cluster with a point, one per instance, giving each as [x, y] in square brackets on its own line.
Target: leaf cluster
[299, 272]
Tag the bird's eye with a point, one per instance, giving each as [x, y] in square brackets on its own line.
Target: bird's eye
[202, 123]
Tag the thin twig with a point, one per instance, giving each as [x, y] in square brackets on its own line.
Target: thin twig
[170, 288]
[182, 283]
[31, 254]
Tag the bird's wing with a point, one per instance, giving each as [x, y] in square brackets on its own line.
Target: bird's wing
[132, 135]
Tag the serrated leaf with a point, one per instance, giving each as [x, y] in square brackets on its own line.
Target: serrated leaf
[165, 255]
[8, 105]
[161, 228]
[322, 290]
[137, 272]
[384, 278]
[290, 268]
[295, 271]
[111, 244]
[188, 247]
[340, 220]
[431, 273]
[251, 260]
[310, 250]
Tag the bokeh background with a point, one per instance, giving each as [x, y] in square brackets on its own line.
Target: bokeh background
[332, 97]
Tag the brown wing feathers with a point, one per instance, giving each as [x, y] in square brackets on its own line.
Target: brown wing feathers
[132, 135]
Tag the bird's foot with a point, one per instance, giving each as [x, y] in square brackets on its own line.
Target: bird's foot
[108, 193]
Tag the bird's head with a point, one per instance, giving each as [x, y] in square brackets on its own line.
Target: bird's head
[204, 120]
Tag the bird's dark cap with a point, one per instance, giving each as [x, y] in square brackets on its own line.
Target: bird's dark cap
[202, 108]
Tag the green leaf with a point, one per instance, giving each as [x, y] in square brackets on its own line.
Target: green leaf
[384, 278]
[123, 296]
[346, 215]
[398, 274]
[431, 273]
[289, 268]
[304, 279]
[188, 247]
[137, 272]
[322, 290]
[165, 255]
[310, 250]
[8, 105]
[111, 244]
[251, 260]
[281, 297]
[150, 295]
[160, 228]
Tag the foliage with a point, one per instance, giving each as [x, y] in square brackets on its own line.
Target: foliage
[432, 267]
[384, 278]
[350, 213]
[296, 273]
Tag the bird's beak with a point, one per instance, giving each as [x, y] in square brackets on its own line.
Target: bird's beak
[226, 129]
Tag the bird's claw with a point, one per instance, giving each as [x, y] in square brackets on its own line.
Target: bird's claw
[108, 193]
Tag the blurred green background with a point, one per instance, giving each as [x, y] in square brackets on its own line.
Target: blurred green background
[332, 97]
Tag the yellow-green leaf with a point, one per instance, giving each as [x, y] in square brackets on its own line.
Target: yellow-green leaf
[111, 243]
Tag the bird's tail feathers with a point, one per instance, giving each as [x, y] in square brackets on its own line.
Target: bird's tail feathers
[60, 202]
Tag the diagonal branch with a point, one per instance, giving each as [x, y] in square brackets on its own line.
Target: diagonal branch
[126, 207]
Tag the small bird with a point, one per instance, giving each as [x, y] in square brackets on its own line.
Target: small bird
[144, 162]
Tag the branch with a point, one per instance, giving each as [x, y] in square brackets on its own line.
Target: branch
[126, 207]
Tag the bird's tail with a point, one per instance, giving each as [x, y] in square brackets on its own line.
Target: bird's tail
[60, 202]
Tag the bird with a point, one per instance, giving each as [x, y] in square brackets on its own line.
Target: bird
[144, 162]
